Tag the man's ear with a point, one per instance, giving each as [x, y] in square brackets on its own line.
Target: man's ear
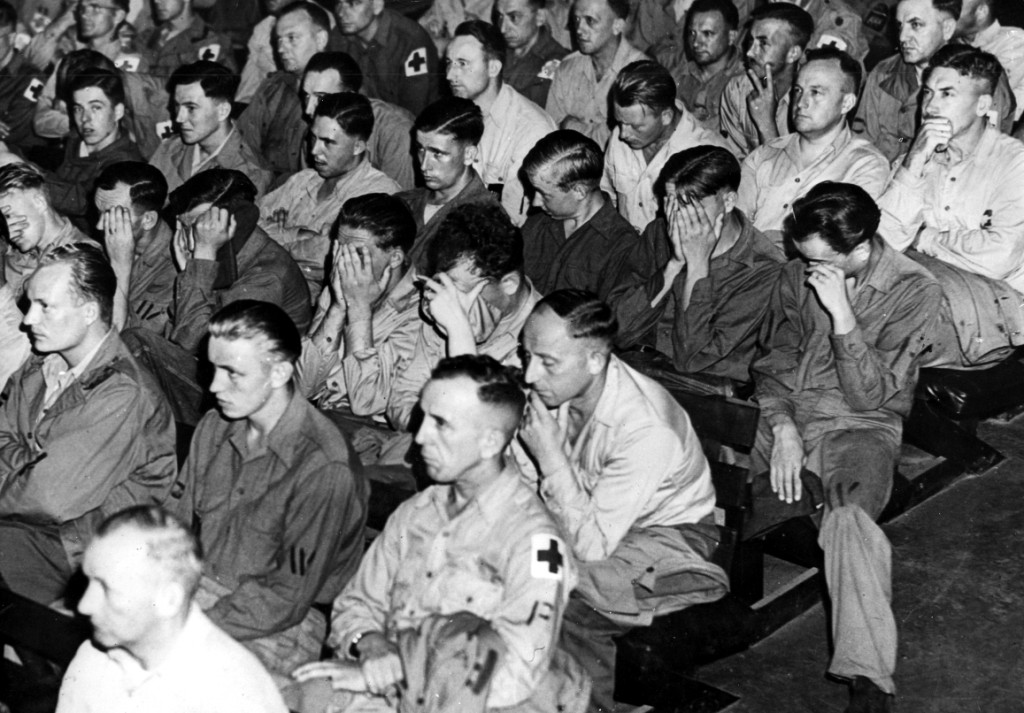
[470, 154]
[984, 105]
[119, 111]
[169, 600]
[729, 201]
[734, 36]
[849, 101]
[396, 258]
[541, 18]
[509, 284]
[494, 68]
[597, 360]
[223, 111]
[793, 54]
[948, 28]
[92, 312]
[492, 443]
[321, 39]
[378, 7]
[281, 373]
[359, 147]
[149, 219]
[618, 26]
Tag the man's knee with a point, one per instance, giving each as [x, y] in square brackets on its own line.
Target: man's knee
[856, 469]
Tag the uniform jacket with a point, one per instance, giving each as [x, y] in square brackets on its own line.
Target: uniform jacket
[273, 125]
[70, 186]
[174, 159]
[106, 443]
[531, 74]
[197, 42]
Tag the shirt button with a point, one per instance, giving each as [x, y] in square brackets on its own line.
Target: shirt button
[947, 207]
[429, 575]
[952, 178]
[797, 180]
[785, 205]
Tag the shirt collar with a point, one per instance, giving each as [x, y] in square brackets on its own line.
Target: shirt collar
[54, 365]
[989, 35]
[491, 503]
[282, 438]
[792, 147]
[883, 276]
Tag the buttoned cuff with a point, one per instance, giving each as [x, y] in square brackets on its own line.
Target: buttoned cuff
[849, 346]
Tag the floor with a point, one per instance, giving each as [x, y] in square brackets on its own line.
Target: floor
[958, 595]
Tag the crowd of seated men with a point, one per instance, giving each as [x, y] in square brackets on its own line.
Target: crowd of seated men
[424, 245]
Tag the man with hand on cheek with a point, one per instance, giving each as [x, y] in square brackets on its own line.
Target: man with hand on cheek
[129, 197]
[841, 344]
[367, 319]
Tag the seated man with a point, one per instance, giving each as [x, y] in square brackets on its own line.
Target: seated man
[130, 196]
[621, 470]
[222, 256]
[533, 55]
[97, 104]
[578, 240]
[300, 213]
[181, 37]
[151, 645]
[755, 106]
[650, 126]
[84, 431]
[477, 301]
[477, 548]
[20, 84]
[34, 227]
[821, 147]
[888, 111]
[273, 120]
[390, 145]
[275, 490]
[697, 287]
[397, 56]
[579, 92]
[955, 199]
[979, 27]
[368, 317]
[260, 61]
[447, 137]
[708, 60]
[207, 137]
[842, 342]
[512, 123]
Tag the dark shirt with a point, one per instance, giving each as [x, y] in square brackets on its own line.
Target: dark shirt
[703, 97]
[197, 42]
[281, 527]
[863, 379]
[717, 333]
[273, 124]
[70, 186]
[416, 201]
[20, 86]
[399, 64]
[589, 259]
[531, 74]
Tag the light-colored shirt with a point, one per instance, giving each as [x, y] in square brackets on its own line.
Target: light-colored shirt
[737, 125]
[576, 91]
[363, 380]
[636, 463]
[512, 127]
[630, 179]
[206, 672]
[500, 558]
[966, 211]
[1007, 44]
[774, 177]
[307, 232]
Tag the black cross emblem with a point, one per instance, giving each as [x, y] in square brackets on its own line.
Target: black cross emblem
[208, 55]
[416, 62]
[36, 89]
[167, 130]
[551, 556]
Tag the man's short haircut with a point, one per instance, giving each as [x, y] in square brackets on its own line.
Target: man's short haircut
[147, 187]
[316, 13]
[953, 8]
[352, 112]
[725, 8]
[573, 158]
[124, 5]
[220, 187]
[92, 277]
[460, 118]
[586, 316]
[218, 82]
[620, 8]
[8, 15]
[968, 62]
[700, 171]
[841, 214]
[483, 234]
[75, 63]
[20, 177]
[385, 217]
[497, 385]
[252, 319]
[851, 69]
[487, 35]
[342, 63]
[106, 80]
[646, 83]
[801, 24]
[169, 543]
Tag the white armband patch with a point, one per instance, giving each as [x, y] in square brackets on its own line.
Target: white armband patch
[548, 70]
[416, 62]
